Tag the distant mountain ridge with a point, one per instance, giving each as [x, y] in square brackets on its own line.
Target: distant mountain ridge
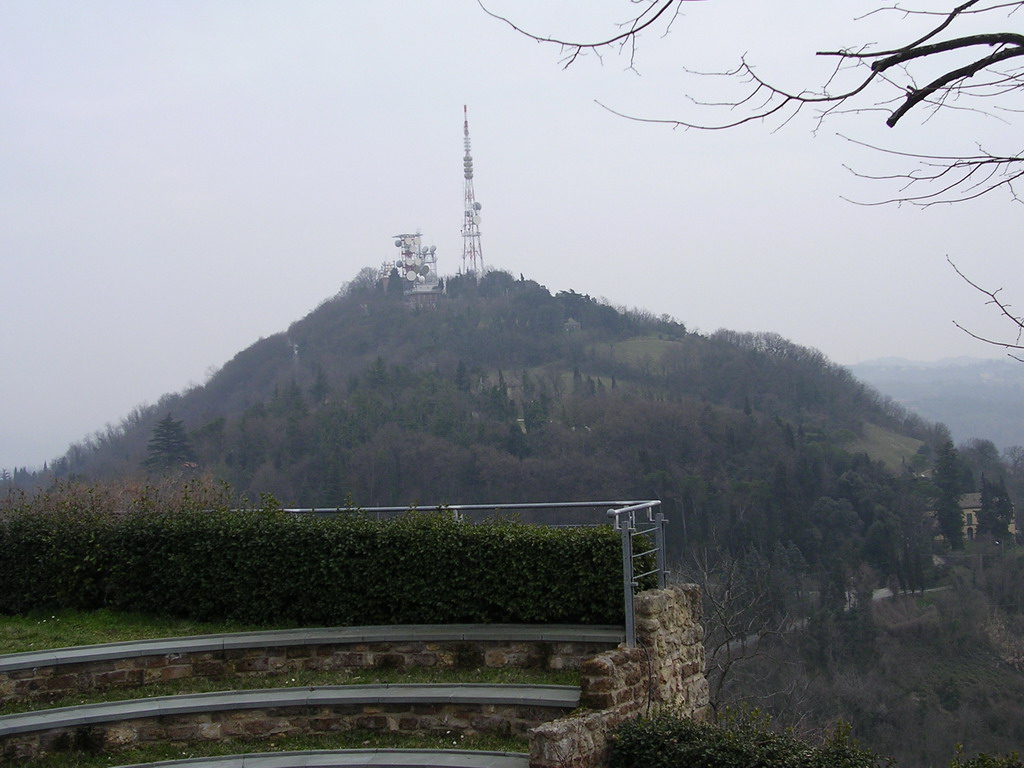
[975, 398]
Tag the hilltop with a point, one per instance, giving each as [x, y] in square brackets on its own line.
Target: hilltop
[500, 391]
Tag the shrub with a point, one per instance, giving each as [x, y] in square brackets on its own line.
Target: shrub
[269, 567]
[735, 741]
[987, 761]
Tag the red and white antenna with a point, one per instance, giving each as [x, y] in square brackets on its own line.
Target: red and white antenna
[472, 256]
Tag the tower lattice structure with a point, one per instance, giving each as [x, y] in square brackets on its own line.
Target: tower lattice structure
[472, 255]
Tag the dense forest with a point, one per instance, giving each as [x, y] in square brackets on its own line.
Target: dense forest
[793, 490]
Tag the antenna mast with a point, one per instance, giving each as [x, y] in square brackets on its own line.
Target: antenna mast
[472, 256]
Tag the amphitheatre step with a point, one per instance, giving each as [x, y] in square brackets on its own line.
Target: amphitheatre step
[393, 758]
[563, 697]
[548, 633]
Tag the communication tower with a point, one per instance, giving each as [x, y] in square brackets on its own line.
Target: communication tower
[417, 266]
[472, 256]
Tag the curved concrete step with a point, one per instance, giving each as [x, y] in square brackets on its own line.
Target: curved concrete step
[549, 633]
[564, 697]
[393, 758]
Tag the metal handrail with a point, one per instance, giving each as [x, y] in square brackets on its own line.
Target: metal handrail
[631, 518]
[466, 507]
[639, 519]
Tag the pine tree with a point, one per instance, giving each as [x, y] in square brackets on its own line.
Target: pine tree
[321, 387]
[169, 447]
[996, 509]
[395, 286]
[462, 377]
[947, 479]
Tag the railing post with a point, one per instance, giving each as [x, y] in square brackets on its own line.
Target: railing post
[659, 542]
[624, 522]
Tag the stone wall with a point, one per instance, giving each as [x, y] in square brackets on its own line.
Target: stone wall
[46, 683]
[666, 669]
[449, 720]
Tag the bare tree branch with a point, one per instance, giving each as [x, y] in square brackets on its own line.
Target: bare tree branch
[950, 179]
[633, 27]
[901, 79]
[1003, 309]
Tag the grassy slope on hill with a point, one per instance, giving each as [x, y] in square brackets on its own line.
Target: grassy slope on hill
[896, 451]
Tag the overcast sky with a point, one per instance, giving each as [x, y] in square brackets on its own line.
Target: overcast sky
[178, 179]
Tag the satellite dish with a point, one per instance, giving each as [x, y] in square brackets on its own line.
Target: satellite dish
[476, 220]
[477, 206]
[398, 243]
[433, 248]
[410, 275]
[424, 270]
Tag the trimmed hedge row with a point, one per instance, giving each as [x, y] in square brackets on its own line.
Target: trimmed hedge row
[272, 568]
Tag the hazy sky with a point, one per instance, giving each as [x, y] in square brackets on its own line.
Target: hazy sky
[178, 179]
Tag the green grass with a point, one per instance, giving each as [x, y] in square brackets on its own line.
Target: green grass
[638, 351]
[891, 448]
[306, 679]
[349, 740]
[60, 629]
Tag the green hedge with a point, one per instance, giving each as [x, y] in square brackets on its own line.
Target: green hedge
[667, 741]
[273, 568]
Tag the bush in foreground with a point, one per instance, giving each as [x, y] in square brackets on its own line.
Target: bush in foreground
[746, 740]
[735, 741]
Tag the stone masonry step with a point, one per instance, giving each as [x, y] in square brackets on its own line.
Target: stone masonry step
[392, 758]
[319, 636]
[562, 697]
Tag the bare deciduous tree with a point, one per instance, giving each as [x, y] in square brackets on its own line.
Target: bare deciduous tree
[740, 616]
[935, 66]
[1004, 309]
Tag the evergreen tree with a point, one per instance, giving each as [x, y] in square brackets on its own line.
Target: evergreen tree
[321, 387]
[462, 377]
[395, 286]
[169, 447]
[996, 509]
[947, 478]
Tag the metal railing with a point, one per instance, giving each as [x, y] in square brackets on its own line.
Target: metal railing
[639, 519]
[632, 519]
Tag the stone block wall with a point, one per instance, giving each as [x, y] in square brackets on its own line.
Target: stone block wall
[47, 683]
[666, 669]
[449, 720]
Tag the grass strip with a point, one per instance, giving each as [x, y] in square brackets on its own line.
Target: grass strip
[43, 630]
[355, 739]
[306, 679]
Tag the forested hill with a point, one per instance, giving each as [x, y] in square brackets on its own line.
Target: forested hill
[505, 392]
